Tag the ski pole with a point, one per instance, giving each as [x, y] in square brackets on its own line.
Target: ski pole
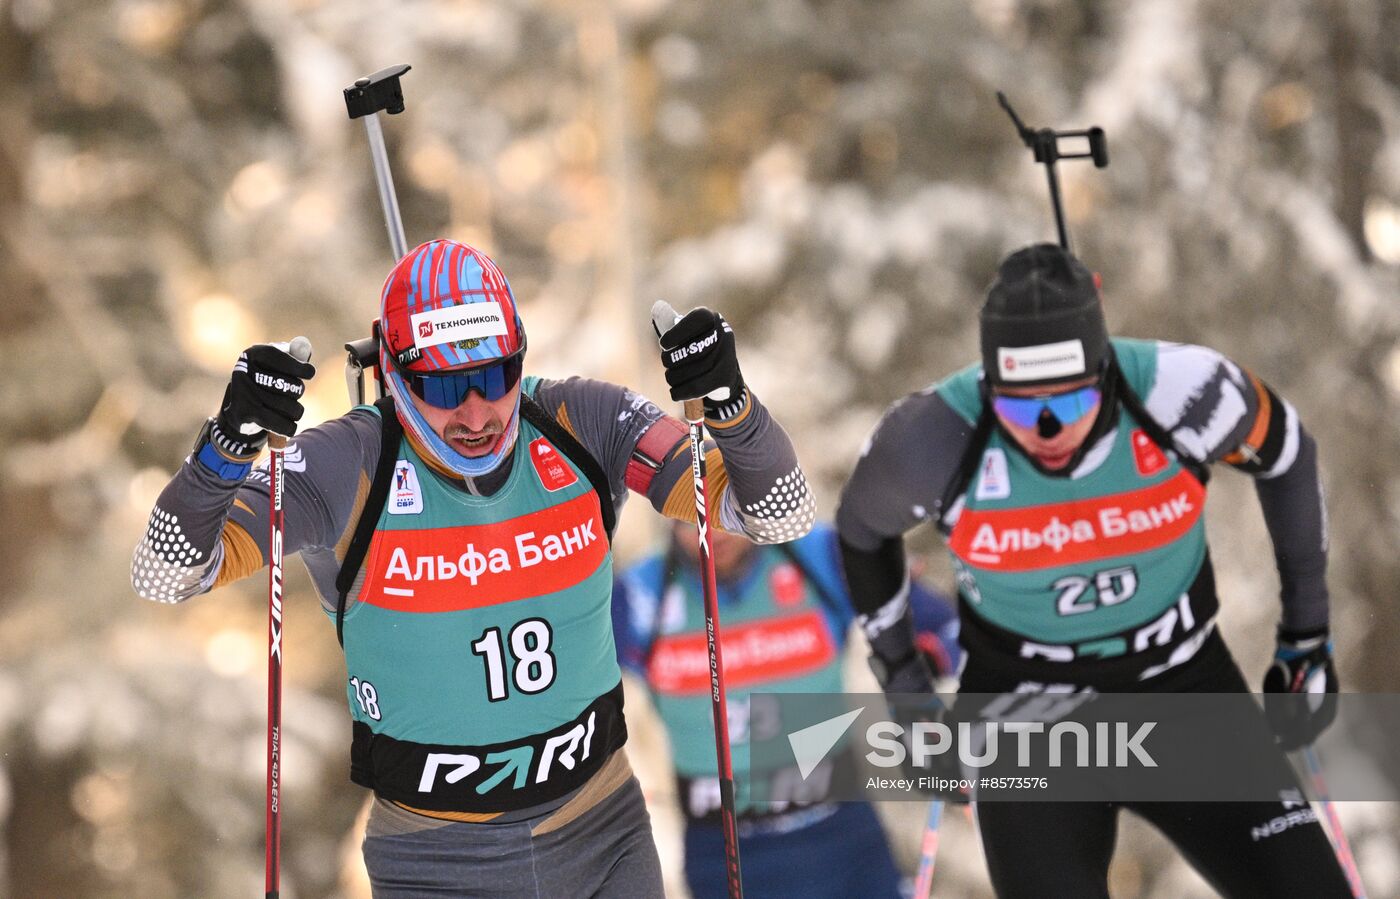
[923, 883]
[663, 318]
[1044, 143]
[300, 348]
[1340, 844]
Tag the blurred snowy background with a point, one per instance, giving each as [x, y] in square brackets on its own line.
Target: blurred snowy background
[178, 180]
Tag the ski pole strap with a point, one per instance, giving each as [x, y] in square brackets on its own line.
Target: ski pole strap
[391, 431]
[535, 414]
[833, 605]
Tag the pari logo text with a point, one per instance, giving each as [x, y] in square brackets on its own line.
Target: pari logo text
[516, 767]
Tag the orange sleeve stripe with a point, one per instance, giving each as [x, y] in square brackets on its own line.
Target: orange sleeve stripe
[342, 544]
[680, 504]
[562, 416]
[1260, 429]
[241, 555]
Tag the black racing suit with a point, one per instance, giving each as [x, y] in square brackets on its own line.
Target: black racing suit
[1029, 616]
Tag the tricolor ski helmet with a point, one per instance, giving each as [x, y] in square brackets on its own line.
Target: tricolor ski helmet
[1043, 320]
[446, 308]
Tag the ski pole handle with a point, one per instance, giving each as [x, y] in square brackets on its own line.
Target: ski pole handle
[663, 319]
[299, 348]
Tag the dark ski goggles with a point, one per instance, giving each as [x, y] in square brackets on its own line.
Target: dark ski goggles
[449, 389]
[1025, 411]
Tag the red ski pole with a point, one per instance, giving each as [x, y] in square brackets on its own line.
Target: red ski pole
[300, 348]
[276, 443]
[694, 411]
[928, 852]
[1340, 844]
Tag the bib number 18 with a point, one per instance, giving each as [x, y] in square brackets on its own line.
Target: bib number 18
[533, 670]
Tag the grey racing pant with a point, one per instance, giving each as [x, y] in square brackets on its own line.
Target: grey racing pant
[599, 843]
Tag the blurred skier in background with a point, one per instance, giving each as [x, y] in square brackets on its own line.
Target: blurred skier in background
[786, 617]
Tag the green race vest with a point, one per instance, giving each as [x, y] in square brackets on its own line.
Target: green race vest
[776, 638]
[482, 670]
[1102, 562]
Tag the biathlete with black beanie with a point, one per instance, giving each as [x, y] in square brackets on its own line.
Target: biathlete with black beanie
[1099, 447]
[458, 533]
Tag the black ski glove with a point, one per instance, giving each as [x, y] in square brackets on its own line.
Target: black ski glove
[938, 774]
[700, 360]
[263, 395]
[902, 669]
[909, 674]
[899, 665]
[1302, 667]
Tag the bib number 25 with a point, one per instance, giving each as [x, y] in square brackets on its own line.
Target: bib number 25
[1106, 588]
[533, 667]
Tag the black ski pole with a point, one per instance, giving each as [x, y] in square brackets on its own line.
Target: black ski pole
[1044, 143]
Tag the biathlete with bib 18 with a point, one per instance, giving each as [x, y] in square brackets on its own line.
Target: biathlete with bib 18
[1067, 473]
[458, 534]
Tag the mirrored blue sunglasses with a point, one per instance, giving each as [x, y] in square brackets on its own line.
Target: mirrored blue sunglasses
[1068, 407]
[449, 389]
